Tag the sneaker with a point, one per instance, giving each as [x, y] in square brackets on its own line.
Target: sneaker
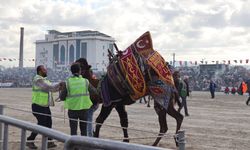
[51, 145]
[31, 145]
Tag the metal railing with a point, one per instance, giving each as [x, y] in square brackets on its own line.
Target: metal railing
[70, 142]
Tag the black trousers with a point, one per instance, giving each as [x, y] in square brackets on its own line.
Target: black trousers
[42, 120]
[212, 93]
[75, 115]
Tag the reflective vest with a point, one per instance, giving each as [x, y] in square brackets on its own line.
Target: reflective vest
[77, 94]
[39, 96]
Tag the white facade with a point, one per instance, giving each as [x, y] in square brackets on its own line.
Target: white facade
[59, 50]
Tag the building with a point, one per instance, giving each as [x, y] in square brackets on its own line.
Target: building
[60, 49]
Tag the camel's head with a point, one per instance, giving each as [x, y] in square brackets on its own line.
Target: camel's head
[85, 67]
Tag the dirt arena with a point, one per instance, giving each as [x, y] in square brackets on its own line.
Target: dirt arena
[222, 123]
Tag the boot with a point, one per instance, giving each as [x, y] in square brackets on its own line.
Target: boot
[31, 145]
[51, 145]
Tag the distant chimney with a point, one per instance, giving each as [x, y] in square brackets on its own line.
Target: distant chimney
[21, 49]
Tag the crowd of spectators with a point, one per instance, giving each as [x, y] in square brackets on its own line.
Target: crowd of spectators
[199, 81]
[22, 77]
[231, 77]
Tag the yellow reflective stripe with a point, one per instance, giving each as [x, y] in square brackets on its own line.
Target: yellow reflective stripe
[39, 90]
[78, 95]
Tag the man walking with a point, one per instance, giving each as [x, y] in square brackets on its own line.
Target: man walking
[41, 100]
[248, 91]
[181, 87]
[212, 87]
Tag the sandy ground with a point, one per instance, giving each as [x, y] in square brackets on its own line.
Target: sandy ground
[222, 123]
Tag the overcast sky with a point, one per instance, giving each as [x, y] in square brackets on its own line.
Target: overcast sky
[192, 29]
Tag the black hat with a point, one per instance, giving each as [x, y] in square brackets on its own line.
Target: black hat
[83, 63]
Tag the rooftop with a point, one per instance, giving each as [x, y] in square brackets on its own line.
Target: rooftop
[78, 33]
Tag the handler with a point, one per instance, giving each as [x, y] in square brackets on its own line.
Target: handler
[77, 100]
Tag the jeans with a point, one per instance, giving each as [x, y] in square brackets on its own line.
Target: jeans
[75, 115]
[90, 113]
[184, 103]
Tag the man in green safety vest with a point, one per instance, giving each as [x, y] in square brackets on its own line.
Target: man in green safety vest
[76, 100]
[41, 100]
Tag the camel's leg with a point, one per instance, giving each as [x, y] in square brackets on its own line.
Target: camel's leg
[105, 112]
[175, 114]
[178, 117]
[149, 97]
[162, 121]
[120, 108]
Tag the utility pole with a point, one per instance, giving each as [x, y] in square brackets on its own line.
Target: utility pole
[174, 60]
[21, 49]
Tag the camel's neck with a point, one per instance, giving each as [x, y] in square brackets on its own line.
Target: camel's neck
[93, 82]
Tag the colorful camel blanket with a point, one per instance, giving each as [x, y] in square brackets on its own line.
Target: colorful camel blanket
[132, 74]
[161, 92]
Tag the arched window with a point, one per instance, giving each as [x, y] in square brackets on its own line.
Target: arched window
[71, 54]
[62, 55]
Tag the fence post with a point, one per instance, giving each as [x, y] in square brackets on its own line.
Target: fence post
[180, 138]
[1, 126]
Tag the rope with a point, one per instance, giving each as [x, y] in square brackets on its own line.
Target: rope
[137, 138]
[57, 117]
[27, 141]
